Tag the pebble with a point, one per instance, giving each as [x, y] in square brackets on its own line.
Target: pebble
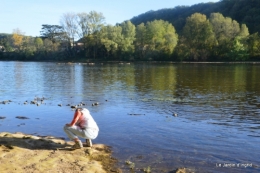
[95, 104]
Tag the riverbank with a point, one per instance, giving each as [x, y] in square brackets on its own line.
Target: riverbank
[27, 153]
[100, 61]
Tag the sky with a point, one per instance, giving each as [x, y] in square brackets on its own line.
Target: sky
[30, 15]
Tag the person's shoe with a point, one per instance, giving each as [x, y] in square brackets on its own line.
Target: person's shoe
[88, 143]
[77, 145]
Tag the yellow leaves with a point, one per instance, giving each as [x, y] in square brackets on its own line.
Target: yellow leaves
[17, 39]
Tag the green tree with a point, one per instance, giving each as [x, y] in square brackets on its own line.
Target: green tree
[254, 46]
[159, 39]
[95, 21]
[55, 33]
[89, 23]
[238, 51]
[6, 41]
[128, 37]
[49, 46]
[38, 43]
[243, 31]
[224, 27]
[230, 38]
[111, 38]
[140, 41]
[198, 37]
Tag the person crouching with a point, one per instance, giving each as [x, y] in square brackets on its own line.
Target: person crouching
[82, 125]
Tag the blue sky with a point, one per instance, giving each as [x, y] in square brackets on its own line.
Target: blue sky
[29, 15]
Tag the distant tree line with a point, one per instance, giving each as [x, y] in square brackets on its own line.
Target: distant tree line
[179, 34]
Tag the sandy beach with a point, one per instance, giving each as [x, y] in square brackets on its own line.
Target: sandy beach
[27, 153]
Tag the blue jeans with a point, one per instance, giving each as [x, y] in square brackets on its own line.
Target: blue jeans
[74, 131]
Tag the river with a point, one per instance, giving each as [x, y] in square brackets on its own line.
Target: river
[202, 116]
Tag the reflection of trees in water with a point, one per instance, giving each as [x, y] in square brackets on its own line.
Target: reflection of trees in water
[144, 78]
[226, 93]
[213, 78]
[211, 83]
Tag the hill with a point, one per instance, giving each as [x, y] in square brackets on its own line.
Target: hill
[3, 35]
[243, 11]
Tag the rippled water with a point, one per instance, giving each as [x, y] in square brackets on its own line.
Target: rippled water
[217, 107]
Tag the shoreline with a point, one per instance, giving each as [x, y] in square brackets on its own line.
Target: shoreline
[24, 153]
[93, 61]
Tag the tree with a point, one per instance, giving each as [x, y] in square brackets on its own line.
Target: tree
[254, 46]
[238, 51]
[224, 27]
[48, 45]
[38, 43]
[83, 19]
[29, 48]
[69, 24]
[171, 38]
[198, 37]
[111, 38]
[128, 37]
[243, 31]
[159, 39]
[17, 38]
[80, 26]
[140, 40]
[54, 33]
[6, 41]
[95, 21]
[89, 23]
[230, 37]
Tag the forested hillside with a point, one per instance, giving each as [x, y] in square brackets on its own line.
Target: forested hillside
[243, 11]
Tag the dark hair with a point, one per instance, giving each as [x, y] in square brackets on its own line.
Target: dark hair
[78, 109]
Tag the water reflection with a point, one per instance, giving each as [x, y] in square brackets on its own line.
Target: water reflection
[218, 107]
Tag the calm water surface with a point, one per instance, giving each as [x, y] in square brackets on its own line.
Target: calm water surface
[218, 107]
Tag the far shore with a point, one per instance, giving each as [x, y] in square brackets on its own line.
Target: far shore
[93, 61]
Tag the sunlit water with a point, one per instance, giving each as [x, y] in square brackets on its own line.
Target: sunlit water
[217, 107]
